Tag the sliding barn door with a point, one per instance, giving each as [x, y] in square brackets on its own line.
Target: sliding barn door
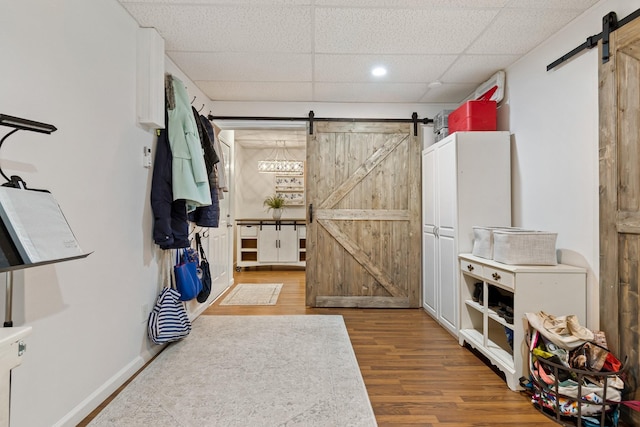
[620, 198]
[363, 224]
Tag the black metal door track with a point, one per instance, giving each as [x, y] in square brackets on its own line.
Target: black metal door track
[610, 23]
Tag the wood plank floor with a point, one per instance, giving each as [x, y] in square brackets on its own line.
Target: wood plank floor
[415, 372]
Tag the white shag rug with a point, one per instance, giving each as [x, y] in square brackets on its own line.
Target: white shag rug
[249, 371]
[253, 294]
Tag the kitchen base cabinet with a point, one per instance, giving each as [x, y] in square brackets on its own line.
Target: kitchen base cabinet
[499, 334]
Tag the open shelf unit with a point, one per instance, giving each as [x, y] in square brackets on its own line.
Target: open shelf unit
[530, 288]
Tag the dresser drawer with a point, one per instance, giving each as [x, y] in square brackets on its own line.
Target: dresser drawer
[504, 278]
[248, 231]
[471, 268]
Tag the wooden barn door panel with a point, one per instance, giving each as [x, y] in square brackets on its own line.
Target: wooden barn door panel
[363, 240]
[620, 198]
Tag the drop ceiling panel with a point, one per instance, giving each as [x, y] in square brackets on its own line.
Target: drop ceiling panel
[400, 68]
[369, 92]
[399, 31]
[552, 4]
[517, 31]
[468, 68]
[198, 28]
[449, 93]
[255, 91]
[416, 4]
[269, 67]
[225, 2]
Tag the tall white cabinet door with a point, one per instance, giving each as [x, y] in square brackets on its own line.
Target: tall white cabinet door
[429, 188]
[446, 193]
[429, 274]
[429, 251]
[447, 215]
[268, 244]
[448, 267]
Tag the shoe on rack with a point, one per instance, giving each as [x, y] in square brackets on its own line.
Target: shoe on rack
[506, 307]
[477, 292]
[506, 314]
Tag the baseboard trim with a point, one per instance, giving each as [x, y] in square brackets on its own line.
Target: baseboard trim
[88, 405]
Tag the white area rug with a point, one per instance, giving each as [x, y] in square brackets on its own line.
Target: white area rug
[253, 294]
[249, 371]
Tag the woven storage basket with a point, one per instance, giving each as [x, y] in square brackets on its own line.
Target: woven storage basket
[441, 120]
[525, 247]
[483, 240]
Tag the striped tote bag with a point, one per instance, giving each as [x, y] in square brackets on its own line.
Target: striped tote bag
[168, 321]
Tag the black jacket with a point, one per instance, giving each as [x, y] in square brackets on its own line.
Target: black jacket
[208, 216]
[170, 226]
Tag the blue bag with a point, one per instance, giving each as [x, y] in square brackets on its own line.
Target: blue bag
[186, 274]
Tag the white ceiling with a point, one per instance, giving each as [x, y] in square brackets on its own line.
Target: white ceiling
[323, 50]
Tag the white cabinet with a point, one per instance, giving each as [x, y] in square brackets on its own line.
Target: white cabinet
[270, 242]
[466, 181]
[277, 243]
[558, 290]
[12, 349]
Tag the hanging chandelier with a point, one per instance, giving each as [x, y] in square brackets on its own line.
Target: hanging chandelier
[281, 165]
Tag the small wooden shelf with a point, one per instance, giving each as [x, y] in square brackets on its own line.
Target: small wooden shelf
[248, 244]
[250, 256]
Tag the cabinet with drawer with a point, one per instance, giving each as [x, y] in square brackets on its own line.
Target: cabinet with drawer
[495, 324]
[267, 242]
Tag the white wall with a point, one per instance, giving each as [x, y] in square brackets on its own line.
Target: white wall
[72, 63]
[554, 120]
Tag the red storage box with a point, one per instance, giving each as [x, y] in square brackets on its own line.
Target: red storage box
[473, 115]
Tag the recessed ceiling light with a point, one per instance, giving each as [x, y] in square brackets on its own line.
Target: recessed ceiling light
[379, 71]
[436, 83]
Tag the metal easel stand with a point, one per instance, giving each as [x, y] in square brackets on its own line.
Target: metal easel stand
[8, 311]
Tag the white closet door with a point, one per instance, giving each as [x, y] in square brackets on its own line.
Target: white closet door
[446, 178]
[429, 188]
[448, 313]
[430, 273]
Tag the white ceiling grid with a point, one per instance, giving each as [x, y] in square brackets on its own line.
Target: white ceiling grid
[323, 50]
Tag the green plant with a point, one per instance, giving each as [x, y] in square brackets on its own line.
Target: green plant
[274, 201]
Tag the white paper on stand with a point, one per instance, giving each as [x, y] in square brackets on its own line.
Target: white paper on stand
[37, 226]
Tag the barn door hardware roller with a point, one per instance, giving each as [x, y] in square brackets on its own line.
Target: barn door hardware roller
[610, 23]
